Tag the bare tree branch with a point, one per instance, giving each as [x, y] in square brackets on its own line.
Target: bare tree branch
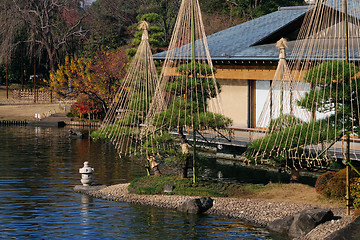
[232, 2]
[48, 25]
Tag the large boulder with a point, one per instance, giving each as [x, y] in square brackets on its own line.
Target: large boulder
[350, 232]
[307, 220]
[281, 225]
[196, 205]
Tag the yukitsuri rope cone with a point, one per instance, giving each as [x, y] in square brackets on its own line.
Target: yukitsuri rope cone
[317, 100]
[127, 113]
[283, 94]
[186, 106]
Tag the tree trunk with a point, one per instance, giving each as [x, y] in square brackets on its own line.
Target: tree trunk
[50, 54]
[295, 175]
[156, 170]
[154, 166]
[185, 153]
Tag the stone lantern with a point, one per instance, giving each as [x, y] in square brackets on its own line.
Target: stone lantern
[86, 174]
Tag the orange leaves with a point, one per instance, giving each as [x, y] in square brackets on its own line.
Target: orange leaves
[98, 78]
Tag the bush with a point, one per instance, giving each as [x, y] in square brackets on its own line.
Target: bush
[336, 186]
[333, 185]
[355, 192]
[322, 181]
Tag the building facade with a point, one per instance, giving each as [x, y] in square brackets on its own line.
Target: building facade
[246, 59]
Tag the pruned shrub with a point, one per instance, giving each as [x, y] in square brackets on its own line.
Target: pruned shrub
[322, 181]
[355, 193]
[333, 185]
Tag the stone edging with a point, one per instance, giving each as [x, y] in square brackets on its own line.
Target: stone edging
[253, 211]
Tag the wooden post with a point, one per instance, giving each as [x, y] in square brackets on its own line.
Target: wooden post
[34, 79]
[291, 97]
[313, 110]
[253, 104]
[271, 100]
[348, 197]
[281, 93]
[22, 79]
[7, 80]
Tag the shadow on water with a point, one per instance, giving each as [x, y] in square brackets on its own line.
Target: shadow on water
[235, 171]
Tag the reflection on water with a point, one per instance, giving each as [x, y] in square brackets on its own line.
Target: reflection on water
[39, 167]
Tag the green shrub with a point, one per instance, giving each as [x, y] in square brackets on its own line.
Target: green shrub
[355, 192]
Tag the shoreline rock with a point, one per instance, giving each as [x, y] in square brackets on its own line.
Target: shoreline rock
[253, 211]
[196, 205]
[301, 223]
[350, 232]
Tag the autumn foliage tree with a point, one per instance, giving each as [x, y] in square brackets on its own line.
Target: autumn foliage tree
[97, 78]
[85, 107]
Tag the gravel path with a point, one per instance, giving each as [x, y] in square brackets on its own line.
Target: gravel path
[21, 112]
[254, 211]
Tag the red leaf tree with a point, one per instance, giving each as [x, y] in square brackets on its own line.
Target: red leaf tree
[98, 78]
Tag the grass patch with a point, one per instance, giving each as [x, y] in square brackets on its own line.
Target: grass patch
[211, 188]
[272, 192]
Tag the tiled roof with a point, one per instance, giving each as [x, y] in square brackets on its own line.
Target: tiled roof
[247, 41]
[236, 42]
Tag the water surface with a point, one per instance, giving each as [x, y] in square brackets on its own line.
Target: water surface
[39, 168]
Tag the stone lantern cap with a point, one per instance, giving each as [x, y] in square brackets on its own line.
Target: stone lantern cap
[86, 169]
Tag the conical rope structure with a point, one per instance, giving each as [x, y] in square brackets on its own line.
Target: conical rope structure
[313, 104]
[123, 121]
[186, 107]
[280, 105]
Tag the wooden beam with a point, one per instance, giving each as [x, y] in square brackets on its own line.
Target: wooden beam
[250, 73]
[252, 104]
[241, 72]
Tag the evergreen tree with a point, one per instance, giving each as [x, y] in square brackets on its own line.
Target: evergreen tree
[333, 93]
[189, 107]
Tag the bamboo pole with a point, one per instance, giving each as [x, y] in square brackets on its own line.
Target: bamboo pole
[346, 33]
[194, 76]
[348, 203]
[146, 92]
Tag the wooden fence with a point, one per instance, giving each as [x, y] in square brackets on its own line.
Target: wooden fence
[38, 96]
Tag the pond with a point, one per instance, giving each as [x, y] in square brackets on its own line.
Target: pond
[39, 168]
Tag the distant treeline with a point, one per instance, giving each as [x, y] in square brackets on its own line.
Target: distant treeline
[36, 35]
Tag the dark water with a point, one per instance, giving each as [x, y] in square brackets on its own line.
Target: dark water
[235, 171]
[39, 167]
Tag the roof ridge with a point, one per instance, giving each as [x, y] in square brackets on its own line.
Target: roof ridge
[295, 7]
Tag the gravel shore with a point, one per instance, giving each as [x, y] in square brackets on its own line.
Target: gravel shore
[254, 211]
